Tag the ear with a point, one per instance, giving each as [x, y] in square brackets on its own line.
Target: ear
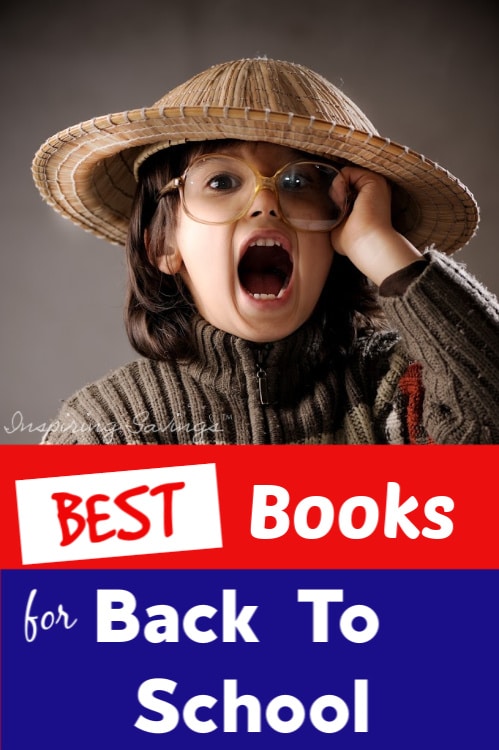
[170, 261]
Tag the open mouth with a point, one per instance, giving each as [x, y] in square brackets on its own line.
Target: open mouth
[265, 269]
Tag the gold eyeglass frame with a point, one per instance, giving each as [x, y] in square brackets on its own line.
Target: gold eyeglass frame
[261, 183]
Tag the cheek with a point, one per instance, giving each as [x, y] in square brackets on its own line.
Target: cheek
[206, 256]
[316, 258]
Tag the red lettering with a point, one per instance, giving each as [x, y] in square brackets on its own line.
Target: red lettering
[66, 504]
[168, 490]
[93, 518]
[122, 504]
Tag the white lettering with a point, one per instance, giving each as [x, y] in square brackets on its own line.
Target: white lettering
[117, 621]
[295, 712]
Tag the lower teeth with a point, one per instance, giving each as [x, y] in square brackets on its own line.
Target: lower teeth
[256, 295]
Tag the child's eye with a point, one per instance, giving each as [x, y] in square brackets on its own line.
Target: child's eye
[223, 181]
[309, 181]
[297, 180]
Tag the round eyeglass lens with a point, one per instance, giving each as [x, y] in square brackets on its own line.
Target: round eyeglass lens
[218, 188]
[313, 196]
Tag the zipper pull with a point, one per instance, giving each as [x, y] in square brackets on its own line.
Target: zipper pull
[261, 374]
[263, 389]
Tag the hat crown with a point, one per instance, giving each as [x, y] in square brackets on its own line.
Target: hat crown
[274, 85]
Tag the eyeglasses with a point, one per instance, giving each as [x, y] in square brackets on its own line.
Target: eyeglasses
[218, 189]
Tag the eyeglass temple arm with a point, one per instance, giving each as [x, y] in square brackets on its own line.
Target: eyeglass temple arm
[170, 187]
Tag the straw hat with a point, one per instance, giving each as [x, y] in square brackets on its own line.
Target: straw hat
[87, 172]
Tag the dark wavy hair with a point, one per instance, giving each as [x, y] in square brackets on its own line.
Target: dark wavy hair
[159, 308]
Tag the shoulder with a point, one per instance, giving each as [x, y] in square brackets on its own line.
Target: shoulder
[373, 352]
[108, 410]
[123, 383]
[376, 364]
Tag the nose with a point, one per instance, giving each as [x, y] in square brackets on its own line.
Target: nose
[265, 202]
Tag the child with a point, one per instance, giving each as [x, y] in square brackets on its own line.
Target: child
[289, 271]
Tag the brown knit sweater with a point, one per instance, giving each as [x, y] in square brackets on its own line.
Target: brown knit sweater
[436, 380]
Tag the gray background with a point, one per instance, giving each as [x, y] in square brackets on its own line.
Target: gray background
[425, 73]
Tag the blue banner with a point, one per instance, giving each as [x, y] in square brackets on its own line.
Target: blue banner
[233, 658]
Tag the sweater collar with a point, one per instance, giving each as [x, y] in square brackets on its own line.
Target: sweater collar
[287, 368]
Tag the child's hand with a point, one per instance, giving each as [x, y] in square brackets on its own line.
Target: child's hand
[367, 236]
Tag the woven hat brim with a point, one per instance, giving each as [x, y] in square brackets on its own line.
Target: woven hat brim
[86, 172]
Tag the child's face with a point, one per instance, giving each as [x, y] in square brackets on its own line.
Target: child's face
[257, 278]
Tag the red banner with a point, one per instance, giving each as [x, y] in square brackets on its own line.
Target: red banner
[278, 507]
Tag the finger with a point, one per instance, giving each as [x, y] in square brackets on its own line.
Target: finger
[359, 179]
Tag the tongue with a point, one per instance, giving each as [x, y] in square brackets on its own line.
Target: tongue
[262, 282]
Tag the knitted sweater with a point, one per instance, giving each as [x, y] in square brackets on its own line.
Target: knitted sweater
[434, 380]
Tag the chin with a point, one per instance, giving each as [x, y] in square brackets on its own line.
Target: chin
[266, 333]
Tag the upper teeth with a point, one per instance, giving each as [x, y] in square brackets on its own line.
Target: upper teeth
[267, 242]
